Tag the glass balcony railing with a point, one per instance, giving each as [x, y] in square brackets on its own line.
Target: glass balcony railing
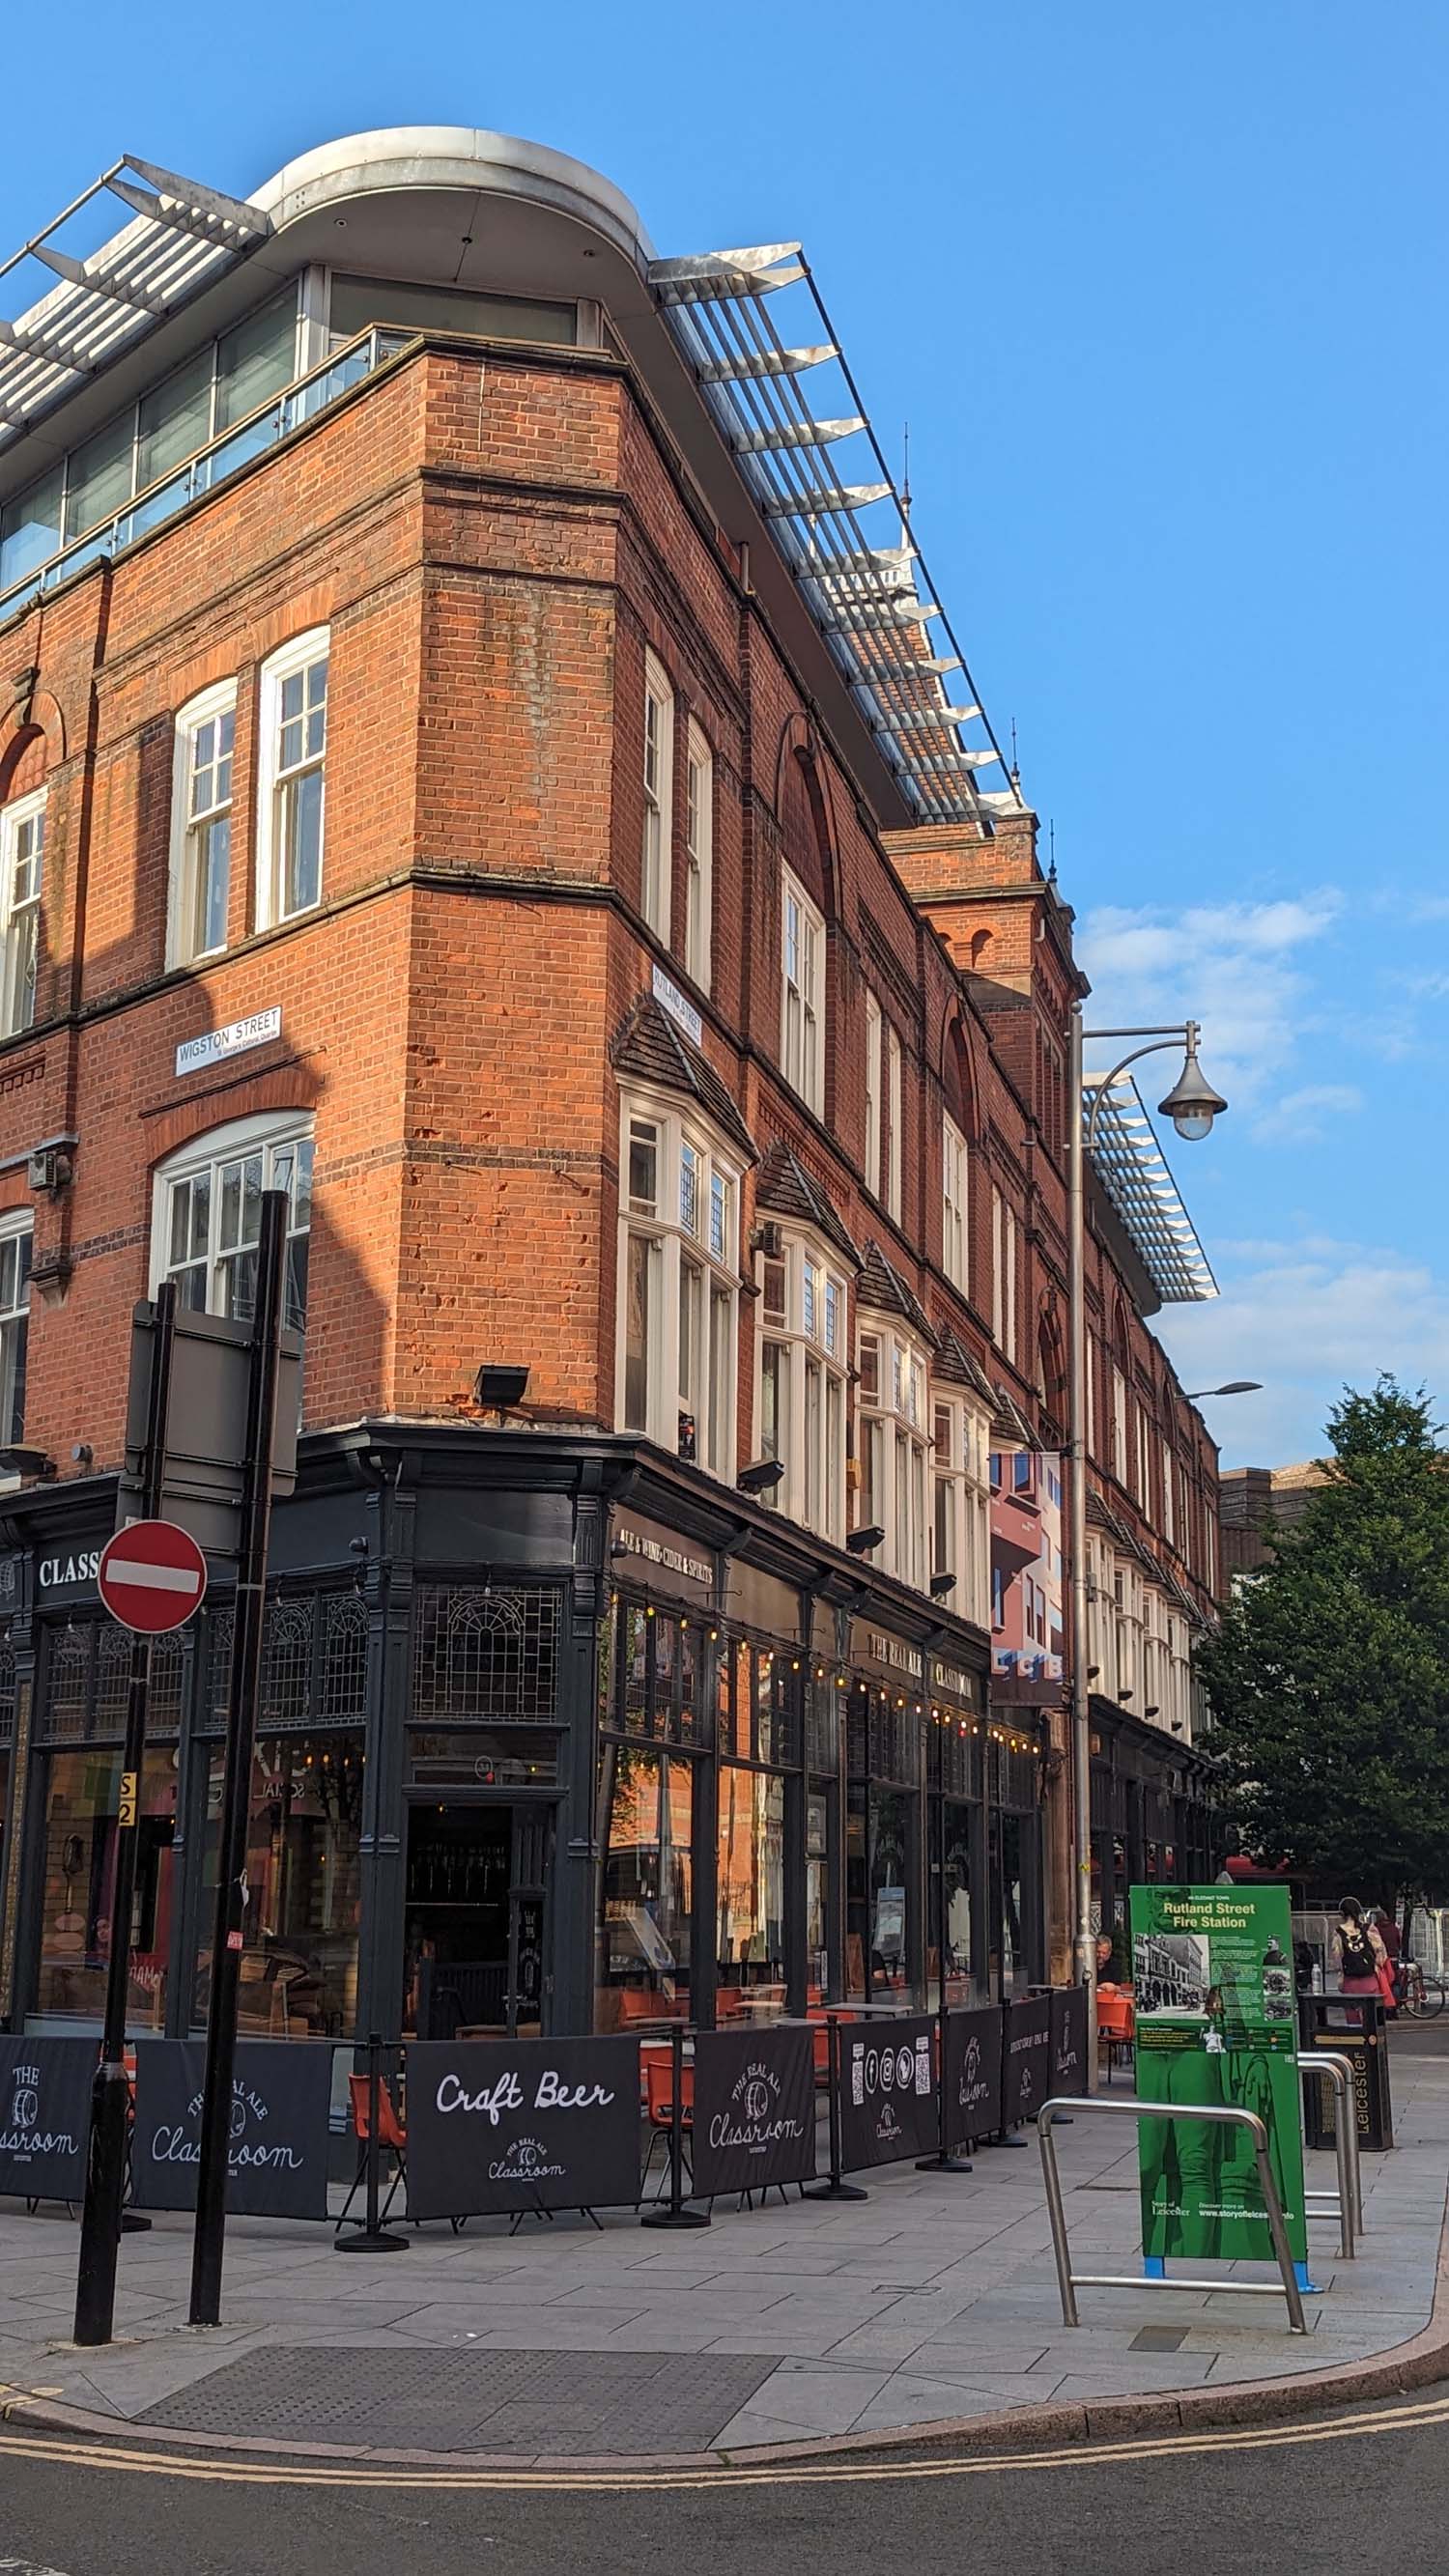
[211, 465]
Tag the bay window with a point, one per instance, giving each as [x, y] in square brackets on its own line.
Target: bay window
[802, 974]
[678, 1284]
[893, 1438]
[802, 1394]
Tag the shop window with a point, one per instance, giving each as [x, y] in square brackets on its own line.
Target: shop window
[298, 1970]
[22, 869]
[201, 795]
[646, 1886]
[658, 1678]
[802, 1006]
[801, 1409]
[750, 1944]
[482, 1656]
[78, 1861]
[207, 1221]
[678, 1284]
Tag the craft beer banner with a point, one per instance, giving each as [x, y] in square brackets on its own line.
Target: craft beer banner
[754, 2109]
[45, 2110]
[281, 2104]
[498, 2124]
[1213, 1986]
[972, 2075]
[1026, 2075]
[887, 2091]
[1069, 2039]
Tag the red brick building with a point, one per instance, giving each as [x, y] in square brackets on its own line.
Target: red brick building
[452, 768]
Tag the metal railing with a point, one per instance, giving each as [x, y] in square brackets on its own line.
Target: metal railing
[211, 465]
[1217, 2115]
[1346, 2204]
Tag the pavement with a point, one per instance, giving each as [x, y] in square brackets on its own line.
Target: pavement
[928, 2310]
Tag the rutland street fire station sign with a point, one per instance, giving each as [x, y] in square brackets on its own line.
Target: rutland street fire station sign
[151, 1575]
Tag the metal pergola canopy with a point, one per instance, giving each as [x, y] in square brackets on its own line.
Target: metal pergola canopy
[182, 237]
[867, 587]
[1131, 1166]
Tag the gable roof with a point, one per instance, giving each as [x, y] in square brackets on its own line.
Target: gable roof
[785, 1188]
[882, 1286]
[652, 1048]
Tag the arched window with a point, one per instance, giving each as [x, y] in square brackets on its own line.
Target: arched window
[207, 1214]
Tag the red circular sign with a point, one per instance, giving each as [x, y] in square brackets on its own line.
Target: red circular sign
[152, 1575]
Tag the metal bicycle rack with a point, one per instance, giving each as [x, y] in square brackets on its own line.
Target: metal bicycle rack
[1125, 2106]
[1346, 2204]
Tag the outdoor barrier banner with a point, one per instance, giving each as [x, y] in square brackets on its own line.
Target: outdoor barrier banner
[1026, 2074]
[45, 2112]
[887, 2091]
[754, 2109]
[281, 2103]
[973, 2075]
[1213, 1986]
[521, 2124]
[1069, 2039]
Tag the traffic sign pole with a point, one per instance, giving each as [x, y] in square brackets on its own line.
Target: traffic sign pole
[246, 1661]
[101, 2220]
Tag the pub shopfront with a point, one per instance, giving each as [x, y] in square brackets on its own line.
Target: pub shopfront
[553, 1735]
[1152, 1815]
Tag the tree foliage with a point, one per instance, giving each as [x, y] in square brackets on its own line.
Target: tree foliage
[1329, 1676]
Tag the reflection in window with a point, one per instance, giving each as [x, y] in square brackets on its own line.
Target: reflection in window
[78, 1876]
[751, 1893]
[299, 1929]
[646, 1886]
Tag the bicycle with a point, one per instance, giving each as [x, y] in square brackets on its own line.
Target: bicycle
[1422, 1998]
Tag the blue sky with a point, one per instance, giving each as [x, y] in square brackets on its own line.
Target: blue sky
[1160, 290]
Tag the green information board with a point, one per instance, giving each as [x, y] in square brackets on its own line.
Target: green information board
[1213, 1985]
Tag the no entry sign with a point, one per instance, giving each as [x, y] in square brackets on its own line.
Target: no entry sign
[152, 1576]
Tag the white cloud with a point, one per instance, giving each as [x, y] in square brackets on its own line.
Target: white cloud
[1305, 1117]
[1233, 966]
[1308, 1319]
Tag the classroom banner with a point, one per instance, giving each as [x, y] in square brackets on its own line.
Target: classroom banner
[754, 2109]
[280, 2121]
[517, 2124]
[1069, 2039]
[887, 2091]
[973, 2075]
[1215, 2024]
[1026, 2080]
[45, 2112]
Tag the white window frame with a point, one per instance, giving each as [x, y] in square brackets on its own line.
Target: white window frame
[955, 1204]
[1005, 1256]
[17, 1227]
[874, 1039]
[895, 1434]
[893, 1123]
[690, 1236]
[698, 857]
[656, 772]
[1169, 1496]
[210, 706]
[275, 1135]
[803, 1338]
[21, 823]
[802, 993]
[301, 654]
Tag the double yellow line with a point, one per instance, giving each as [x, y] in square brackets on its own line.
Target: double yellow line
[128, 2459]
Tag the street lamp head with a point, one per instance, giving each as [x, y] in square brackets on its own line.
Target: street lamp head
[1235, 1386]
[1192, 1104]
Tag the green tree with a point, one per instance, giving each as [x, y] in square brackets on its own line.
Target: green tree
[1329, 1676]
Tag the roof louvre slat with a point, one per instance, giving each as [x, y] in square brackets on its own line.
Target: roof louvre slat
[1131, 1167]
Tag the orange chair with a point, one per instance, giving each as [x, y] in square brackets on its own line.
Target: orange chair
[659, 2110]
[391, 2136]
[1116, 2027]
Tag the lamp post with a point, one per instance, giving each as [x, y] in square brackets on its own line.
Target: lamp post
[1192, 1105]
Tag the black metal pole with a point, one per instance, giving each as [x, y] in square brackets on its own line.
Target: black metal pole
[679, 2212]
[246, 1661]
[374, 2238]
[945, 2160]
[833, 2188]
[95, 2295]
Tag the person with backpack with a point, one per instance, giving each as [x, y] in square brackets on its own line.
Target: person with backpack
[1358, 1951]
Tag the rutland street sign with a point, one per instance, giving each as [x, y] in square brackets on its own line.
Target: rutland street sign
[151, 1576]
